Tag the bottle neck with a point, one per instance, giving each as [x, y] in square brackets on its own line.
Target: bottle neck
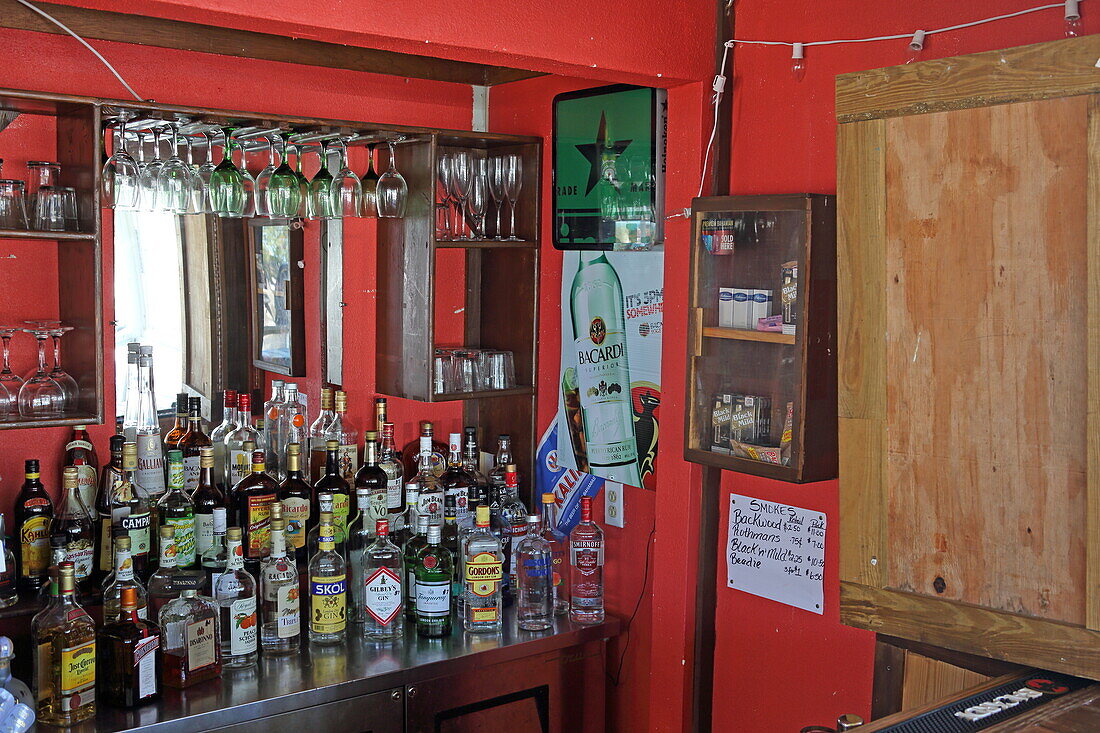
[124, 565]
[370, 453]
[326, 538]
[206, 476]
[332, 461]
[234, 556]
[278, 543]
[504, 454]
[229, 415]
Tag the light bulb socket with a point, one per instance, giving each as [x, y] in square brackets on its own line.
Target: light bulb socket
[1073, 9]
[917, 42]
[798, 51]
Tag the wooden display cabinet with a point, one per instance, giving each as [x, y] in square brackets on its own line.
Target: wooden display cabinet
[763, 401]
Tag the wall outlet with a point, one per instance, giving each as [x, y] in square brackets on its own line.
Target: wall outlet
[613, 504]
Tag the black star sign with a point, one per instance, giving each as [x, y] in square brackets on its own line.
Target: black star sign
[595, 151]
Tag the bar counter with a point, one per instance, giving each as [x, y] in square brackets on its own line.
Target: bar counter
[364, 685]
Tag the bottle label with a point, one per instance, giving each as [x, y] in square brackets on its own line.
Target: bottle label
[240, 465]
[137, 526]
[341, 506]
[74, 444]
[185, 539]
[376, 509]
[394, 491]
[517, 533]
[296, 514]
[604, 383]
[105, 540]
[383, 595]
[433, 598]
[191, 471]
[259, 524]
[288, 611]
[328, 601]
[484, 571]
[349, 461]
[86, 481]
[34, 546]
[242, 626]
[586, 556]
[124, 568]
[150, 465]
[44, 671]
[484, 614]
[431, 504]
[77, 676]
[204, 533]
[201, 645]
[558, 560]
[145, 665]
[81, 554]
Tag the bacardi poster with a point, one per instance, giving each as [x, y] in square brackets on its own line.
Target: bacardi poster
[612, 304]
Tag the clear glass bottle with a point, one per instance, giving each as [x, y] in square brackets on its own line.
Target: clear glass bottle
[218, 436]
[382, 571]
[192, 443]
[150, 458]
[534, 579]
[293, 427]
[449, 539]
[175, 509]
[130, 658]
[123, 577]
[133, 392]
[359, 538]
[513, 513]
[207, 497]
[327, 588]
[73, 523]
[334, 483]
[559, 553]
[456, 482]
[404, 525]
[410, 454]
[500, 465]
[47, 594]
[110, 479]
[586, 568]
[235, 593]
[341, 429]
[433, 570]
[238, 457]
[280, 614]
[374, 479]
[163, 584]
[412, 546]
[80, 452]
[431, 490]
[192, 650]
[273, 410]
[296, 496]
[389, 460]
[64, 639]
[482, 574]
[33, 511]
[9, 585]
[317, 435]
[313, 538]
[214, 559]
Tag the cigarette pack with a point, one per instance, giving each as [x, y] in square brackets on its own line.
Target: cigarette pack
[761, 306]
[742, 308]
[725, 307]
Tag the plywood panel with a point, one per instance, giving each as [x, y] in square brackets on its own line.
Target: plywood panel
[928, 680]
[985, 356]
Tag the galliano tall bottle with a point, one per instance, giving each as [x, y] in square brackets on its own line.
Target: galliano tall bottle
[150, 458]
[603, 372]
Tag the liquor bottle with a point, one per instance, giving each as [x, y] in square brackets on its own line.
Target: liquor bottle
[132, 511]
[559, 550]
[280, 616]
[164, 583]
[206, 498]
[80, 452]
[192, 442]
[586, 568]
[390, 462]
[180, 426]
[124, 577]
[513, 513]
[381, 410]
[192, 652]
[317, 436]
[482, 575]
[253, 497]
[33, 511]
[73, 524]
[534, 579]
[133, 392]
[433, 570]
[176, 510]
[603, 372]
[129, 657]
[416, 541]
[374, 479]
[327, 588]
[382, 571]
[410, 454]
[359, 539]
[334, 483]
[214, 559]
[431, 491]
[235, 593]
[273, 410]
[449, 539]
[500, 464]
[9, 580]
[63, 637]
[313, 537]
[293, 428]
[464, 534]
[218, 436]
[150, 460]
[455, 481]
[109, 480]
[404, 527]
[344, 432]
[296, 496]
[239, 458]
[471, 464]
[48, 592]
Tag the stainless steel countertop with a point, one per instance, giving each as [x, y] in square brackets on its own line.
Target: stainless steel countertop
[325, 674]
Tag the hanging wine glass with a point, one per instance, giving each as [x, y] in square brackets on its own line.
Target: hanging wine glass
[149, 171]
[305, 205]
[393, 192]
[120, 173]
[64, 379]
[513, 182]
[370, 186]
[496, 188]
[10, 382]
[263, 181]
[321, 203]
[346, 189]
[227, 192]
[249, 183]
[443, 177]
[40, 396]
[174, 180]
[195, 202]
[284, 196]
[462, 172]
[205, 174]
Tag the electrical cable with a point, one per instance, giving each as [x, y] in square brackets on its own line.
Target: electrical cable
[87, 45]
[637, 605]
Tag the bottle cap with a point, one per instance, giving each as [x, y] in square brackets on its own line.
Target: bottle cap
[129, 598]
[332, 444]
[548, 498]
[371, 435]
[206, 457]
[116, 442]
[510, 468]
[181, 404]
[277, 383]
[219, 520]
[80, 427]
[189, 593]
[175, 456]
[230, 398]
[122, 543]
[433, 534]
[233, 534]
[533, 519]
[422, 522]
[341, 401]
[244, 402]
[278, 524]
[31, 465]
[382, 527]
[326, 518]
[248, 446]
[483, 516]
[426, 427]
[276, 509]
[257, 460]
[70, 477]
[456, 442]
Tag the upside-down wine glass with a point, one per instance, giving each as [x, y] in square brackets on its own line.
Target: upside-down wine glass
[305, 207]
[443, 177]
[321, 202]
[227, 191]
[149, 171]
[393, 192]
[462, 172]
[64, 379]
[120, 173]
[370, 186]
[512, 174]
[205, 173]
[263, 181]
[346, 189]
[10, 382]
[284, 195]
[40, 396]
[174, 184]
[496, 188]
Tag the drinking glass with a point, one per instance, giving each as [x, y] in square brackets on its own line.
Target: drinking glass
[150, 172]
[263, 181]
[346, 189]
[465, 371]
[305, 207]
[10, 382]
[13, 211]
[462, 173]
[64, 379]
[284, 195]
[69, 206]
[393, 192]
[443, 176]
[120, 174]
[322, 205]
[227, 189]
[496, 188]
[496, 369]
[41, 173]
[40, 396]
[196, 201]
[205, 173]
[512, 174]
[370, 186]
[174, 179]
[477, 200]
[49, 209]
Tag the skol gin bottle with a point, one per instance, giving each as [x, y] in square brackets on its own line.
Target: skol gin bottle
[603, 373]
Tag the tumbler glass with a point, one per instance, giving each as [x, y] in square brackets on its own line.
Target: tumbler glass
[69, 206]
[49, 209]
[13, 212]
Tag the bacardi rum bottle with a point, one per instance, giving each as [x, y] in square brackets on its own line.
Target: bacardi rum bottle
[382, 573]
[586, 568]
[603, 371]
[235, 593]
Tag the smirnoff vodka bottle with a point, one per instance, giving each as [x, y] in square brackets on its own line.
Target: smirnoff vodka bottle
[586, 568]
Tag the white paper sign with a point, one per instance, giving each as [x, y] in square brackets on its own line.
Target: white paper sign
[776, 551]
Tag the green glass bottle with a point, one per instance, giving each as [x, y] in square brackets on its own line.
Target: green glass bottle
[434, 569]
[176, 510]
